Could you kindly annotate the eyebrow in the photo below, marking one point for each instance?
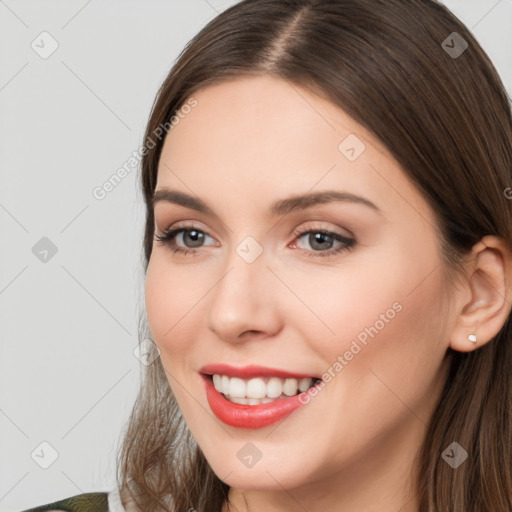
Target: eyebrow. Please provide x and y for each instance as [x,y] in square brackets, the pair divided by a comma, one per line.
[281,207]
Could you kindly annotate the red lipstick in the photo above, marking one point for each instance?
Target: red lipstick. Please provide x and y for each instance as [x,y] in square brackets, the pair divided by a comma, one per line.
[249,372]
[250,416]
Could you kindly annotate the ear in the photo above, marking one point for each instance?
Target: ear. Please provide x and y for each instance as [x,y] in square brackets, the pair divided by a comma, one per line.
[486,298]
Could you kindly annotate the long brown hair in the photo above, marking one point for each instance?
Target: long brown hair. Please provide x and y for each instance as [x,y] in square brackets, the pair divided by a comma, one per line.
[447,121]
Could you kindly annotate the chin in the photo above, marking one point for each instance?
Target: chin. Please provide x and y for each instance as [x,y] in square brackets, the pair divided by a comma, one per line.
[274,473]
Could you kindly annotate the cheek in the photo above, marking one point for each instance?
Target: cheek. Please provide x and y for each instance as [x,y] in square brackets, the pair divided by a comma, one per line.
[379,306]
[396,319]
[342,304]
[172,302]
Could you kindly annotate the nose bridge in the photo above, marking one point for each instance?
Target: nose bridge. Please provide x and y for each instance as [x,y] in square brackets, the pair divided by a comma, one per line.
[241,299]
[245,265]
[238,289]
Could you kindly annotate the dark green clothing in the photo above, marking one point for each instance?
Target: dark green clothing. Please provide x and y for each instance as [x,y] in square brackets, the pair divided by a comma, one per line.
[89,502]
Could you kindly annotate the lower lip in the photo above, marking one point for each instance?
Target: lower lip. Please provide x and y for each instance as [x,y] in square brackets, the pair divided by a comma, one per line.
[249,416]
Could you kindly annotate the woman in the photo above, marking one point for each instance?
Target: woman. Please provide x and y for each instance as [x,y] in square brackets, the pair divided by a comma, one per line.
[328,253]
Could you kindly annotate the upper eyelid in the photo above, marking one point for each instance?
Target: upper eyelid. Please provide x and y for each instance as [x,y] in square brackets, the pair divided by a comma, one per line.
[168,237]
[348,233]
[296,232]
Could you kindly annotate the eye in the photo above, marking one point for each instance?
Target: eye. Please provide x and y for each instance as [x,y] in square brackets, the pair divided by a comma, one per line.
[191,236]
[320,239]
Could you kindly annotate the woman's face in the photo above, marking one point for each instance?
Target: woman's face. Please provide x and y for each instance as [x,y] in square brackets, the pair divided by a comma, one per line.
[363,312]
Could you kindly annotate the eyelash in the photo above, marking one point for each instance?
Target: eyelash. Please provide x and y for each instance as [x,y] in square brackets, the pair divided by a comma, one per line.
[347,243]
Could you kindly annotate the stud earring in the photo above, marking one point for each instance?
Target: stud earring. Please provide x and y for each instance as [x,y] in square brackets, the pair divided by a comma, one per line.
[472,338]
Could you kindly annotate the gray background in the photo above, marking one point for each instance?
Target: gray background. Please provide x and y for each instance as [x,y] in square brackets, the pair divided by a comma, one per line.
[68,374]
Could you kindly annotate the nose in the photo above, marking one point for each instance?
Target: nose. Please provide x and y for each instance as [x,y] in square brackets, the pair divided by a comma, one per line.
[244,303]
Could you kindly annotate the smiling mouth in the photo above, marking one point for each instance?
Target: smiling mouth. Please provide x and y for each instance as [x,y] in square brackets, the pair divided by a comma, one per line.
[259,390]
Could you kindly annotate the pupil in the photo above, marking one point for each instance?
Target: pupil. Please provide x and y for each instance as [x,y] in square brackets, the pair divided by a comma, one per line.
[196,237]
[319,237]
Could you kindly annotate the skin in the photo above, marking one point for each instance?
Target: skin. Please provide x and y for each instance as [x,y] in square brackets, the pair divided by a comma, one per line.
[250,142]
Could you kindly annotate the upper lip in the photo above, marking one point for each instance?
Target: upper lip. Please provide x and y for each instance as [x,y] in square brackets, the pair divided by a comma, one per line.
[248,372]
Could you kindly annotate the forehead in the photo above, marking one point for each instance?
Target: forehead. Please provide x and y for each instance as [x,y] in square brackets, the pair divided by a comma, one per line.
[265,138]
[252,111]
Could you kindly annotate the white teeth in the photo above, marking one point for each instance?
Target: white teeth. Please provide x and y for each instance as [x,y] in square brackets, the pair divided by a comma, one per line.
[290,387]
[224,385]
[237,387]
[237,400]
[250,401]
[304,384]
[259,389]
[274,387]
[256,388]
